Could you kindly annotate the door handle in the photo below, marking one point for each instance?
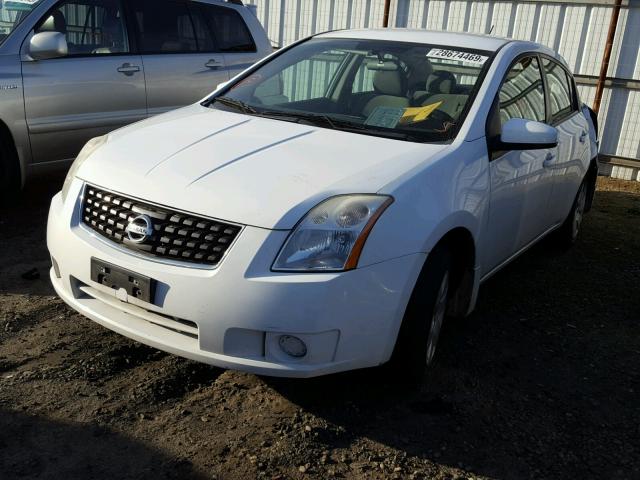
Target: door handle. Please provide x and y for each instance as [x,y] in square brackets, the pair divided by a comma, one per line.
[213,64]
[548,160]
[128,69]
[583,136]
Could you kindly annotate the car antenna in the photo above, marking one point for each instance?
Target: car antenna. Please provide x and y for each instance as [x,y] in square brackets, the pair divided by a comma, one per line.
[491,30]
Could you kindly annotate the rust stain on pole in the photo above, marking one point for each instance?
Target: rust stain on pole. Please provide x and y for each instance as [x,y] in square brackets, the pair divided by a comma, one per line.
[604,68]
[385,17]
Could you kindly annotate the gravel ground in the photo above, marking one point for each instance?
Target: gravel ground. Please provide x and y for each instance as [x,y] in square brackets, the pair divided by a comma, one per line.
[543,381]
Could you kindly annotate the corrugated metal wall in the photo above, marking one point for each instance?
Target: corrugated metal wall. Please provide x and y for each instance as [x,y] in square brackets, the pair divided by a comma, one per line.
[577,29]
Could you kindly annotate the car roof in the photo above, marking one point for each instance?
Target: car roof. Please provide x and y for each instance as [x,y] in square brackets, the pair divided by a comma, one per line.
[452,39]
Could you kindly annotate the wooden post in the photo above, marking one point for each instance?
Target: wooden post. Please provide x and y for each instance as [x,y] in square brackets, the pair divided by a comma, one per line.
[604,68]
[385,17]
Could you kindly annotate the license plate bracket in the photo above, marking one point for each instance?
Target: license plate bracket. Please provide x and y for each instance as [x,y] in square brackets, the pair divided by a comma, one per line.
[115,277]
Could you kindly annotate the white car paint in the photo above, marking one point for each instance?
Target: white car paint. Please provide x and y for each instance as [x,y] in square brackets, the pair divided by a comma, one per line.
[266,175]
[180,167]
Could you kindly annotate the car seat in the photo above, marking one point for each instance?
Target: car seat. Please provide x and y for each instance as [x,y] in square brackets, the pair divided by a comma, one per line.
[390,90]
[112,34]
[441,87]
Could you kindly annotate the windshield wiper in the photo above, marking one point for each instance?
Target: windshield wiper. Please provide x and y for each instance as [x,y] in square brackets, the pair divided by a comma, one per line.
[237,104]
[375,131]
[319,119]
[324,120]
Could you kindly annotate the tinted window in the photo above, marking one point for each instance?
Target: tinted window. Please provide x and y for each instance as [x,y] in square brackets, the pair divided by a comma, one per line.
[561,92]
[522,93]
[203,34]
[229,29]
[92,27]
[164,27]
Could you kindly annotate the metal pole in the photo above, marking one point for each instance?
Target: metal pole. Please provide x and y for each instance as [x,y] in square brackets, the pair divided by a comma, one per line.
[604,68]
[385,17]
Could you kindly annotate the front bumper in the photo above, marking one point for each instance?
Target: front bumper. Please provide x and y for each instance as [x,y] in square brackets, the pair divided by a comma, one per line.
[237,311]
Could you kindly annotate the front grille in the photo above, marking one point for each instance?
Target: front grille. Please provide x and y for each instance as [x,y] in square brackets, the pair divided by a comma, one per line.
[160,232]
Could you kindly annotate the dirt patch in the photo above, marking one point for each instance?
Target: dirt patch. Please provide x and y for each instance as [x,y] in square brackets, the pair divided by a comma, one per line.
[542,381]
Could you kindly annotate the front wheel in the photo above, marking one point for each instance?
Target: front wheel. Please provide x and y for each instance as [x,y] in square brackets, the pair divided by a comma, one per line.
[420,330]
[570,229]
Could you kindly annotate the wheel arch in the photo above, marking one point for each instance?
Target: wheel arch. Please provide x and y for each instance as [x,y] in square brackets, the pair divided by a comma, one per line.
[592,179]
[457,235]
[459,245]
[462,246]
[6,137]
[458,232]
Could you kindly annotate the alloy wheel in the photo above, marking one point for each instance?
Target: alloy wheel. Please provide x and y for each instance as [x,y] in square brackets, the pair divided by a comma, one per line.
[578,214]
[437,319]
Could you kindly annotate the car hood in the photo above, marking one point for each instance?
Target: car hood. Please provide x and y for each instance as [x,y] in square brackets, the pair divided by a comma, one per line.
[245,169]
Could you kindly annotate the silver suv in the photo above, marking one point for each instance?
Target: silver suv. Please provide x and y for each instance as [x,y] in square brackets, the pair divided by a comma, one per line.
[71,70]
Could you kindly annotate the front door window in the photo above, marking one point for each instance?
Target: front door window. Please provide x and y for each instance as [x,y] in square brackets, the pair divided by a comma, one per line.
[522,93]
[91,27]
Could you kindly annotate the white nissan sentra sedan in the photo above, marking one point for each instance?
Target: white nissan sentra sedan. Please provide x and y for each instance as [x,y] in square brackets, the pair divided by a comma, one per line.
[328,207]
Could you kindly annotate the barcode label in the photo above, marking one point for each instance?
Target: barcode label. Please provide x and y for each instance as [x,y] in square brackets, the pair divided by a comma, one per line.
[457,55]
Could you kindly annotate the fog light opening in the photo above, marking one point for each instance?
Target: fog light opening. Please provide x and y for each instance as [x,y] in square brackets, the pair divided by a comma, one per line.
[292,346]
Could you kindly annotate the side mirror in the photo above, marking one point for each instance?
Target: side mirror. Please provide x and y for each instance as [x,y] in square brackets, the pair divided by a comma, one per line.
[45,45]
[520,134]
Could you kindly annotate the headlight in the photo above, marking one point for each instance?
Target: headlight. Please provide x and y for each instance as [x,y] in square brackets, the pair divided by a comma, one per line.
[331,236]
[91,146]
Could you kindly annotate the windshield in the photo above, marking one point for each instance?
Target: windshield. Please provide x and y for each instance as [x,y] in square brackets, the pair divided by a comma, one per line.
[12,12]
[407,91]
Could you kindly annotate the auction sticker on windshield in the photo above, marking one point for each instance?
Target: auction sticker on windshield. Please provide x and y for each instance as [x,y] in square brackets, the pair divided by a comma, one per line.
[457,55]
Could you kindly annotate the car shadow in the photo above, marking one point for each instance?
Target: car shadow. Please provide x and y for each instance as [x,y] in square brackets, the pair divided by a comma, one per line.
[34,447]
[531,384]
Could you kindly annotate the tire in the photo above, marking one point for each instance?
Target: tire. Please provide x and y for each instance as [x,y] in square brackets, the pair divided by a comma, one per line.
[568,233]
[9,173]
[422,323]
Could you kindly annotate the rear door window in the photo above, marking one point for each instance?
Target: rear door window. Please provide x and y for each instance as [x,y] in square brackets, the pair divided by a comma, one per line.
[230,31]
[560,89]
[164,27]
[202,31]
